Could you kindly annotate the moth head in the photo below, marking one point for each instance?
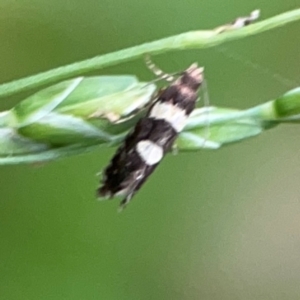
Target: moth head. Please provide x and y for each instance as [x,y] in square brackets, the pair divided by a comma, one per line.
[193,76]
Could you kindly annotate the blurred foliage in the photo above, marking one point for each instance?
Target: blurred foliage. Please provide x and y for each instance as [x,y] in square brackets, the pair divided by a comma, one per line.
[213,225]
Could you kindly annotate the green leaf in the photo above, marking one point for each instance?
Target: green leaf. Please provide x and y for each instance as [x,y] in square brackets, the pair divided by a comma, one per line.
[83,111]
[288,106]
[13,144]
[42,103]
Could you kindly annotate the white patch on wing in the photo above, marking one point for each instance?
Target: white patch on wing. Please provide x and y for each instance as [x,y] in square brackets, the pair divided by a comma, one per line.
[149,152]
[171,113]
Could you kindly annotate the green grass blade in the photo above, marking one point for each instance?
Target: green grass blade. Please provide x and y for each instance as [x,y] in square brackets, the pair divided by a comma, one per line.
[190,40]
[71,127]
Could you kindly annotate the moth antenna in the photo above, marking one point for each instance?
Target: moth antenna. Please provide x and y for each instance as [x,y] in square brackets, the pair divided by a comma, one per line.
[157,71]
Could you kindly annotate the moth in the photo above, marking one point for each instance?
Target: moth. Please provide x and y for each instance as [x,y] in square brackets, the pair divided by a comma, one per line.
[152,137]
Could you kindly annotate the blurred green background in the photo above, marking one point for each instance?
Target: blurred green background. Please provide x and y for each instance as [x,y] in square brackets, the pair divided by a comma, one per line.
[208,225]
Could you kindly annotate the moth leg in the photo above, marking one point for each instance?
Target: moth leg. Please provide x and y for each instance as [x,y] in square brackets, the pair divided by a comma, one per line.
[138,178]
[174,149]
[124,202]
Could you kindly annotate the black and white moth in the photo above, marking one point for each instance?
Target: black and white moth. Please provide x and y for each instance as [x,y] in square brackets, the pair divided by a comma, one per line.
[152,137]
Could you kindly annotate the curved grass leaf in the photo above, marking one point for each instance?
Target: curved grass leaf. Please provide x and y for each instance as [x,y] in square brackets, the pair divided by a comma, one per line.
[77,124]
